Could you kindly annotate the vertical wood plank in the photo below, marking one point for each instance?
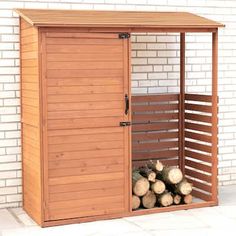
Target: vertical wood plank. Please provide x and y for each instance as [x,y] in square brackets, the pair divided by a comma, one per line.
[181,103]
[127,130]
[214,116]
[44,128]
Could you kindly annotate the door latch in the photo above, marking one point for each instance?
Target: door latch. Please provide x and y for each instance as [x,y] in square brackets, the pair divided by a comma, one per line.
[125,123]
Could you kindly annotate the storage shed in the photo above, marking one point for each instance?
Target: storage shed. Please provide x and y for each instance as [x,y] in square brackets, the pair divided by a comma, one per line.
[80,132]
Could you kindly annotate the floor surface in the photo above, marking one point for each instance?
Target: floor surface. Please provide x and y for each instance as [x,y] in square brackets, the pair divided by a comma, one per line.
[218,220]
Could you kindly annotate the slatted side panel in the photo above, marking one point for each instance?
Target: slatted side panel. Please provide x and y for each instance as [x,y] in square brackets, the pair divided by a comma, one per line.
[198,141]
[155,128]
[86,146]
[30,121]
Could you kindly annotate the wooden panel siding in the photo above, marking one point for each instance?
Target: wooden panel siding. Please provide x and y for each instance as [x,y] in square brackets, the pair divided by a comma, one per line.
[30,118]
[155,132]
[84,139]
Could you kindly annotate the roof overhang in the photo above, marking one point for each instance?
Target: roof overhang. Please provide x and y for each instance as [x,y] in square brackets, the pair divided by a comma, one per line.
[132,21]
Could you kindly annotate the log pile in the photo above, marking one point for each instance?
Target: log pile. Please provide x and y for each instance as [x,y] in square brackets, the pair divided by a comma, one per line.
[156,185]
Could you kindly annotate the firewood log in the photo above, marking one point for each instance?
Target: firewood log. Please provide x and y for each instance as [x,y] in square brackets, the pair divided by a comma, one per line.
[188,199]
[149,200]
[165,199]
[155,166]
[135,202]
[158,187]
[184,187]
[148,173]
[177,199]
[171,175]
[140,185]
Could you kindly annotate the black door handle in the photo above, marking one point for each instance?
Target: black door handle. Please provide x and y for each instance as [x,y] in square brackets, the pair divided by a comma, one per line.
[126,104]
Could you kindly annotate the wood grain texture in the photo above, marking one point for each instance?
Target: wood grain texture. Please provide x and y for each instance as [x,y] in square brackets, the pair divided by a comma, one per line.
[130,19]
[83,109]
[155,135]
[30,118]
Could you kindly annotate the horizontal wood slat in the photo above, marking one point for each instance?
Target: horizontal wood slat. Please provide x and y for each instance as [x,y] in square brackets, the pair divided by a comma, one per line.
[81,65]
[159,107]
[74,163]
[154,146]
[201,195]
[97,153]
[154,155]
[197,136]
[90,170]
[109,49]
[55,115]
[198,127]
[85,98]
[197,107]
[95,131]
[197,117]
[198,156]
[59,57]
[85,138]
[84,106]
[197,165]
[63,73]
[87,194]
[84,81]
[198,97]
[197,146]
[86,146]
[84,89]
[153,136]
[83,41]
[85,178]
[198,175]
[77,187]
[155,98]
[155,126]
[200,185]
[167,162]
[154,117]
[84,123]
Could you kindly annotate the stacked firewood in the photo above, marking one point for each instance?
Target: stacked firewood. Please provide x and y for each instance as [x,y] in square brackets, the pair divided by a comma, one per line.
[155,185]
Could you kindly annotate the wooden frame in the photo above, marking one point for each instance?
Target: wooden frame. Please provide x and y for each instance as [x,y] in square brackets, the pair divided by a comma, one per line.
[197,160]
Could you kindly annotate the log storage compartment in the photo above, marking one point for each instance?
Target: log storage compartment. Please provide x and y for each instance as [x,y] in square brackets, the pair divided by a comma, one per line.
[91,150]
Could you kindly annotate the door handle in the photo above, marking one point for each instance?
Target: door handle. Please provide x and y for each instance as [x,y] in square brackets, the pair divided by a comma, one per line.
[126,104]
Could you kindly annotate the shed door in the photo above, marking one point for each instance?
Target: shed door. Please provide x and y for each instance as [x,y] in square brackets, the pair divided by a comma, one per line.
[86,151]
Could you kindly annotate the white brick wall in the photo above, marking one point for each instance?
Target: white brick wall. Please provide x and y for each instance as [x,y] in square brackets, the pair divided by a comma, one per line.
[155,69]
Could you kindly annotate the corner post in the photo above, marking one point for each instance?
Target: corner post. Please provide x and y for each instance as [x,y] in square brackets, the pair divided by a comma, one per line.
[214,116]
[181,104]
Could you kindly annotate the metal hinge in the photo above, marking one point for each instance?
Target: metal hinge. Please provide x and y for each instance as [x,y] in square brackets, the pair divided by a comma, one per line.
[124,35]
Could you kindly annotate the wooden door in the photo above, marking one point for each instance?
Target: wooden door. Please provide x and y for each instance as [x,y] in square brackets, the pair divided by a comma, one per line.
[86,151]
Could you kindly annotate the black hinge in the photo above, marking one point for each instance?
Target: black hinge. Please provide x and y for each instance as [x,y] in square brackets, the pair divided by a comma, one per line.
[125,123]
[124,35]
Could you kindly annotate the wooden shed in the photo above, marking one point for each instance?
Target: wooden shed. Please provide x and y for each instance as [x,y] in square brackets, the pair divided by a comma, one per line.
[78,144]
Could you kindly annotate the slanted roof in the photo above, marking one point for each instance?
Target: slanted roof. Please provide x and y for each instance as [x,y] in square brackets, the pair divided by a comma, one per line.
[124,19]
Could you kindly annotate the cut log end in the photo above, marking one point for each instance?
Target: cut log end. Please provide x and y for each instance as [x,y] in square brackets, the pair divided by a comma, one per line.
[158,187]
[177,199]
[188,199]
[148,173]
[140,184]
[184,187]
[165,199]
[172,175]
[155,165]
[135,202]
[149,200]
